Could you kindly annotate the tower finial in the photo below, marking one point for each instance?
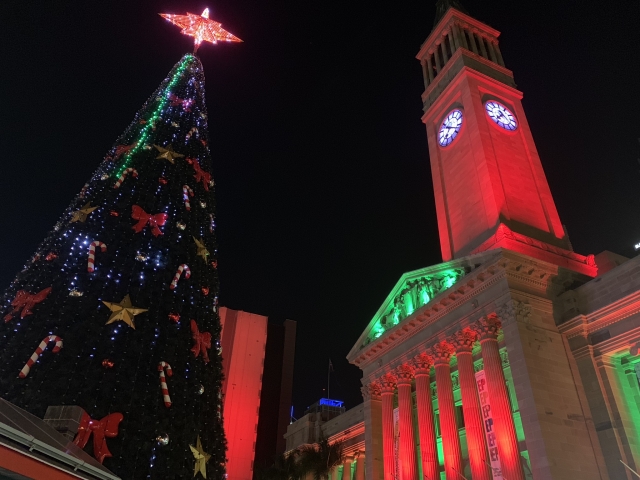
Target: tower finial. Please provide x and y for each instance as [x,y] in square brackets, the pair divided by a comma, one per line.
[443,5]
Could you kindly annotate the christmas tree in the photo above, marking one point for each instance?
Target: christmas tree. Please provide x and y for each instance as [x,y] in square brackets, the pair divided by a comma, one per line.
[116,312]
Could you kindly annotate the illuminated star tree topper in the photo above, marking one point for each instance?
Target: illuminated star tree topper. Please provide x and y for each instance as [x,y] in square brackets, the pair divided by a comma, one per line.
[201,27]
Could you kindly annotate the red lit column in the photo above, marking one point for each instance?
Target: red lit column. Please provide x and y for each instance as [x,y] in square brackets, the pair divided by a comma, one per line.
[407,440]
[463,341]
[449,430]
[387,389]
[426,420]
[346,467]
[359,466]
[503,424]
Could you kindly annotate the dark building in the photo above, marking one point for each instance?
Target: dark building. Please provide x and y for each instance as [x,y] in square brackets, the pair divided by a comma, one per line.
[277,384]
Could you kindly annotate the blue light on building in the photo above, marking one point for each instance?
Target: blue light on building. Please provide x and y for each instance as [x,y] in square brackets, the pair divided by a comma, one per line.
[331,403]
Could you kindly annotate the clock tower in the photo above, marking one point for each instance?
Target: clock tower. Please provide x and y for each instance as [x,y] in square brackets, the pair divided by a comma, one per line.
[489,184]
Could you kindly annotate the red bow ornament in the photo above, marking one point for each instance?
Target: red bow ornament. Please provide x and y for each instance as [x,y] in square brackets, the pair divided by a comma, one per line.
[120,150]
[26,301]
[177,101]
[203,342]
[107,427]
[144,218]
[201,175]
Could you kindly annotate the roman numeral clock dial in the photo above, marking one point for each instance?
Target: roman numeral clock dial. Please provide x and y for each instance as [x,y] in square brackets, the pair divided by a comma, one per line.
[450,128]
[501,115]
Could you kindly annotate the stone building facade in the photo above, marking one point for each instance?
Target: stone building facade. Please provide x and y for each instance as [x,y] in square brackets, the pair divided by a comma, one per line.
[517,358]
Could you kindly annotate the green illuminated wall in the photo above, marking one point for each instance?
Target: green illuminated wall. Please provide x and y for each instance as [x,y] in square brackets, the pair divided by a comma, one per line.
[628,388]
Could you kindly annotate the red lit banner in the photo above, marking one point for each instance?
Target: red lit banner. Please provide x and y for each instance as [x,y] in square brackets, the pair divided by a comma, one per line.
[487,421]
[396,442]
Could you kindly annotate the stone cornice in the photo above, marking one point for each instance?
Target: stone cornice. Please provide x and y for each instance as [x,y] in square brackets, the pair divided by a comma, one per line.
[347,434]
[502,264]
[612,313]
[507,238]
[467,264]
[449,300]
[465,68]
[445,24]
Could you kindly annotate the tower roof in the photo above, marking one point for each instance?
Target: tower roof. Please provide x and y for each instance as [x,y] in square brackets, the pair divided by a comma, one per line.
[443,5]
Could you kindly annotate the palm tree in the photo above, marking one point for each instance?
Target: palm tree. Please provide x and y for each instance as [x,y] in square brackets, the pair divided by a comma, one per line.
[319,459]
[285,467]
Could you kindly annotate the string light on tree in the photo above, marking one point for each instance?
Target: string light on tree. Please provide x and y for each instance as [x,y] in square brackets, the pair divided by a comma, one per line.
[119,243]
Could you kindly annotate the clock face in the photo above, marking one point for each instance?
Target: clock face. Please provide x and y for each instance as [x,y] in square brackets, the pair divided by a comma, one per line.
[450,128]
[501,115]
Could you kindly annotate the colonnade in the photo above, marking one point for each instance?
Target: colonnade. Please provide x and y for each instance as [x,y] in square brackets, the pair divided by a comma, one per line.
[459,35]
[439,356]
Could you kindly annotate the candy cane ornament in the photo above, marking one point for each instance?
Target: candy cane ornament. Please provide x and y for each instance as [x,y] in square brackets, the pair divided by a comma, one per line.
[191,132]
[163,382]
[182,268]
[130,170]
[92,254]
[41,348]
[186,191]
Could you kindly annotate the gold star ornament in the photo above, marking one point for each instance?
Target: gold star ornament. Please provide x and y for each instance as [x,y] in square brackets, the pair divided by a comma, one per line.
[202,250]
[201,457]
[82,214]
[124,311]
[168,153]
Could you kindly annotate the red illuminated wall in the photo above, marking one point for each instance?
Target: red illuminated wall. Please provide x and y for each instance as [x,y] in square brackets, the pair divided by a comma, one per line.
[30,467]
[487,175]
[244,336]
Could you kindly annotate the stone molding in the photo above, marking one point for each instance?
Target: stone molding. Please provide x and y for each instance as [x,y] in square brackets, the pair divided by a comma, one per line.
[373,391]
[422,363]
[387,383]
[462,292]
[536,273]
[442,353]
[404,374]
[463,340]
[585,325]
[514,311]
[488,327]
[503,232]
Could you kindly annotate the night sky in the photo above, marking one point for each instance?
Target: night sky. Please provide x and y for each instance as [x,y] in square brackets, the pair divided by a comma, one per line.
[320,158]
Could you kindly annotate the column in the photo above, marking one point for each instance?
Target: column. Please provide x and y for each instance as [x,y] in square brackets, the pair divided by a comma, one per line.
[448,429]
[503,424]
[333,473]
[372,403]
[454,47]
[360,461]
[387,389]
[436,56]
[404,374]
[492,52]
[456,36]
[429,68]
[346,467]
[426,419]
[425,75]
[445,57]
[482,48]
[498,53]
[472,39]
[460,33]
[463,341]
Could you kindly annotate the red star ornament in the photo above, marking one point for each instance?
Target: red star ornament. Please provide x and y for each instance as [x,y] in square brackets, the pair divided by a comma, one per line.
[201,28]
